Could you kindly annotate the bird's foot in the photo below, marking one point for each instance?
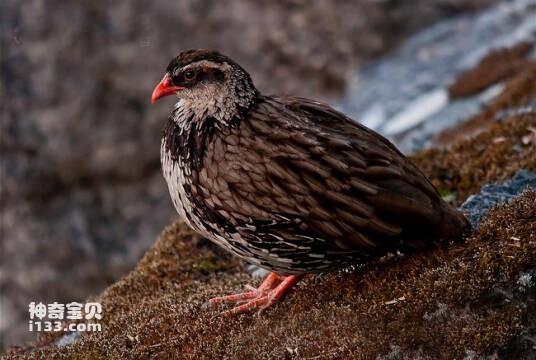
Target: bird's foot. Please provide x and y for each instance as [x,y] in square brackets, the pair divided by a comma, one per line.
[271,290]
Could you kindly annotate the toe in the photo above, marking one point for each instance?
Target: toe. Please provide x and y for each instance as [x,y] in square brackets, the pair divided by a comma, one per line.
[236,298]
[250,305]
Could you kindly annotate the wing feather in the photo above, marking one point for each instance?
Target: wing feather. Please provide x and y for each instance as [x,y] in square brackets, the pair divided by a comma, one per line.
[303,165]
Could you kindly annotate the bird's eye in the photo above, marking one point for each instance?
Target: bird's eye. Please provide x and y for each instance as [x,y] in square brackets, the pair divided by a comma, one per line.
[189,75]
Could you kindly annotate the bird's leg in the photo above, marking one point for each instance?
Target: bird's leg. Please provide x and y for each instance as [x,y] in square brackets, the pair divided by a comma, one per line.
[271,297]
[262,297]
[266,285]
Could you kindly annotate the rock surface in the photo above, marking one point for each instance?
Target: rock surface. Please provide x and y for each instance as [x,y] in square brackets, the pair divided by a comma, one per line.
[406,95]
[476,206]
[82,197]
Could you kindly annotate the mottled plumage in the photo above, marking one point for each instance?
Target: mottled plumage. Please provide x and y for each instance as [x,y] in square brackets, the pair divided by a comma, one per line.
[289,183]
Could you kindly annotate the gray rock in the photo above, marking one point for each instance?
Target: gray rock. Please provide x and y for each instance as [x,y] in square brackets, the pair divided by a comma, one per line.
[404,95]
[476,206]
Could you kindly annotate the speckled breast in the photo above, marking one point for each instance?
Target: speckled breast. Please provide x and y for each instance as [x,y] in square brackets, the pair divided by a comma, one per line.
[178,178]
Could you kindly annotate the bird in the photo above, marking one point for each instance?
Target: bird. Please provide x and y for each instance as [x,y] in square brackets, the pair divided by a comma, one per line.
[288,184]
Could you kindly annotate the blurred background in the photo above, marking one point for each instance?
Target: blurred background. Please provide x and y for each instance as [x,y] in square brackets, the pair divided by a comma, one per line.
[82,196]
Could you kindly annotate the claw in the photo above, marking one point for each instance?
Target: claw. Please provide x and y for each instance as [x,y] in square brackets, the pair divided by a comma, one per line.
[250,288]
[230,298]
[260,298]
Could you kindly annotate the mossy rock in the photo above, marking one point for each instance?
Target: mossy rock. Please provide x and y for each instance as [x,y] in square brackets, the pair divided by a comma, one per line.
[442,304]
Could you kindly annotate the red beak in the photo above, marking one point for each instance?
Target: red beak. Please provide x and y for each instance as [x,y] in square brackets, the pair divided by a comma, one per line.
[164,88]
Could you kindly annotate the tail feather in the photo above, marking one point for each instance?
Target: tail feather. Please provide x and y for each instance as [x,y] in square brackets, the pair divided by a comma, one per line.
[454,225]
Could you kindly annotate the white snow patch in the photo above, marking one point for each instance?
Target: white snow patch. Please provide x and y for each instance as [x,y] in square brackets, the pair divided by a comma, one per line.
[491,92]
[374,116]
[417,111]
[68,339]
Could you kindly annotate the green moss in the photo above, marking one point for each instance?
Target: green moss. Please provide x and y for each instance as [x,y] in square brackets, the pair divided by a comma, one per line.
[447,196]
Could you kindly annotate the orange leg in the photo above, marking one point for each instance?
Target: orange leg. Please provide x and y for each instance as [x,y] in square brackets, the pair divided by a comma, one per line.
[261,298]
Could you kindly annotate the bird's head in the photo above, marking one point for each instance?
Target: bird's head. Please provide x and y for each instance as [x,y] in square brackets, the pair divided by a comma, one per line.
[207,84]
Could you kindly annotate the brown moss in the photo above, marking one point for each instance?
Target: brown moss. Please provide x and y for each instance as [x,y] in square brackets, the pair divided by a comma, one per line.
[492,156]
[496,66]
[451,300]
[436,305]
[518,91]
